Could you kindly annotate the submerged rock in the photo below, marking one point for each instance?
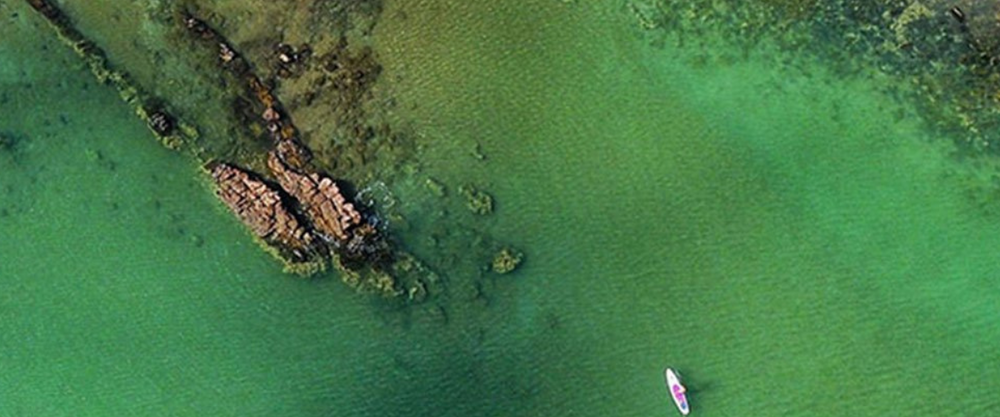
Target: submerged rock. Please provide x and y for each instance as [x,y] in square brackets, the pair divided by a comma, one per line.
[435,187]
[477,201]
[507,260]
[161,122]
[10,141]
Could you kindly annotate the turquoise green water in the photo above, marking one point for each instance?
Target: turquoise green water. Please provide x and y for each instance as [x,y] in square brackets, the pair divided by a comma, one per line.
[794,243]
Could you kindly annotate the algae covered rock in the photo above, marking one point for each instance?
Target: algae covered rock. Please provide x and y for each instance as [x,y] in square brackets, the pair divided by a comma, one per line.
[507,260]
[477,201]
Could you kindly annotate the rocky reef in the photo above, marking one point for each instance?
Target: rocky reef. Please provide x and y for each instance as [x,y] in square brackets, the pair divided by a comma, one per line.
[306,220]
[261,167]
[332,222]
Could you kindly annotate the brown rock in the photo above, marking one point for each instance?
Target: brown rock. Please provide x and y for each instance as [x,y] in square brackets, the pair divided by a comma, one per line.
[292,153]
[260,207]
[332,215]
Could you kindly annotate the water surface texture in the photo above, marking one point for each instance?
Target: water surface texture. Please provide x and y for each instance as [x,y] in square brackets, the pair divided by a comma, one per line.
[795,241]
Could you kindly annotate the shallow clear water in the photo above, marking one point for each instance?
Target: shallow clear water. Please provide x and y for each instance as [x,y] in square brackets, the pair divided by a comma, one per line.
[794,242]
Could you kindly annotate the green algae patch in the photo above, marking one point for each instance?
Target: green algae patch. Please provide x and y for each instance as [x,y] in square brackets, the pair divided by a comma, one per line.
[507,260]
[476,200]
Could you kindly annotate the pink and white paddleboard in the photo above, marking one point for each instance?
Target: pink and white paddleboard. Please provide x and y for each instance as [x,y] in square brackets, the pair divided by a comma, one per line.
[676,391]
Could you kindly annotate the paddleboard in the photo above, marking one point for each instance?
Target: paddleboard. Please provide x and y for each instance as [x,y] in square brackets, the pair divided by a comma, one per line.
[677,391]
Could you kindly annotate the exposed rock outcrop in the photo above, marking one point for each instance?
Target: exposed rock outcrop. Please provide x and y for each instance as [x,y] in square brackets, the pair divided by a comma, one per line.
[262,209]
[333,217]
